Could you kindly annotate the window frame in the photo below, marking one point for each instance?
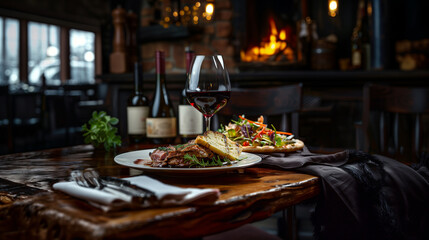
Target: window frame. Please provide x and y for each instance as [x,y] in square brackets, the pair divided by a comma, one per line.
[65,26]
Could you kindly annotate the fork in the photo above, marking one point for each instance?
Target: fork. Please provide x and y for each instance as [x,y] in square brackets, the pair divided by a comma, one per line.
[121,188]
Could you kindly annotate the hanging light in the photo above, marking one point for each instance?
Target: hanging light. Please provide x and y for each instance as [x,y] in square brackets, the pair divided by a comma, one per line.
[210,8]
[333,8]
[194,12]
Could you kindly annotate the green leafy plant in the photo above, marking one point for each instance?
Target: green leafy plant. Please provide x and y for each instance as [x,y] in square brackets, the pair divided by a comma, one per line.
[100,131]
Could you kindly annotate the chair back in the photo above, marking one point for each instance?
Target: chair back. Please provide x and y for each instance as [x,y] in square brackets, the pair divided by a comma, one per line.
[80,100]
[6,120]
[395,121]
[282,101]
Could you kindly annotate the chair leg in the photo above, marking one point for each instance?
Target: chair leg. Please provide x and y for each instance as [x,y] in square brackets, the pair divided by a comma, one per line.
[287,226]
[10,137]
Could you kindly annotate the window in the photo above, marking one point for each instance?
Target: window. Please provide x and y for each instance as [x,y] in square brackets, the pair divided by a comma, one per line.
[82,56]
[43,53]
[46,45]
[9,51]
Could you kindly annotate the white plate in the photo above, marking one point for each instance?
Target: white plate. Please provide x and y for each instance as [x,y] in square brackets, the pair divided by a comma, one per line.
[128,158]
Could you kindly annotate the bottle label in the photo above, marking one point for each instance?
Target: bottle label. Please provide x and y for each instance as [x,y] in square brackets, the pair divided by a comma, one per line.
[190,120]
[136,118]
[356,59]
[161,127]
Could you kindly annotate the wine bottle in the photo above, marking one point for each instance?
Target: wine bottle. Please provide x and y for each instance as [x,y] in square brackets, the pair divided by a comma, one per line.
[161,123]
[190,119]
[361,48]
[366,40]
[356,53]
[137,108]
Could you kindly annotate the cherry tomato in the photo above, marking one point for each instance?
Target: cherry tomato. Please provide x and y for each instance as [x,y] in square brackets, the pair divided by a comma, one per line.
[246,143]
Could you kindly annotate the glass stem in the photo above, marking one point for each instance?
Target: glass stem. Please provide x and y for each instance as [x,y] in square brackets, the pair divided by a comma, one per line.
[207,123]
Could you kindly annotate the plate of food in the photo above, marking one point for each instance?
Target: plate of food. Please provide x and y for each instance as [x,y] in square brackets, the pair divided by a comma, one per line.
[257,137]
[208,153]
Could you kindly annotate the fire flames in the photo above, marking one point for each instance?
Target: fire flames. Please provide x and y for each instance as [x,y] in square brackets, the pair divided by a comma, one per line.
[275,49]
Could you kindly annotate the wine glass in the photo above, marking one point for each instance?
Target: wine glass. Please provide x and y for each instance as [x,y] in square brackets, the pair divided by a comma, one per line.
[208,87]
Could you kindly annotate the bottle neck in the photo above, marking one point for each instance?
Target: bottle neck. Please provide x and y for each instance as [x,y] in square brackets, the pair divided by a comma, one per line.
[138,78]
[160,63]
[360,12]
[160,69]
[189,57]
[161,89]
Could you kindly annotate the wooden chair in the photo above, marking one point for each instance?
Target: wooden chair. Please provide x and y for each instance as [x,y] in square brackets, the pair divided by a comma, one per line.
[80,101]
[283,101]
[27,120]
[6,120]
[395,121]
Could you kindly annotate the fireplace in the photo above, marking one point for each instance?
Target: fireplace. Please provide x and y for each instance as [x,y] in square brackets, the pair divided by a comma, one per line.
[249,34]
[276,46]
[268,35]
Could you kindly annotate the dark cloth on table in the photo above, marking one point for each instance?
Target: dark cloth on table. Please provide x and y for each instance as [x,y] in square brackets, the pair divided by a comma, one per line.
[363,196]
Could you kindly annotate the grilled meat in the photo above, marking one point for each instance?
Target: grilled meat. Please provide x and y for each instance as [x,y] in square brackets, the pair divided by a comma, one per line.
[173,156]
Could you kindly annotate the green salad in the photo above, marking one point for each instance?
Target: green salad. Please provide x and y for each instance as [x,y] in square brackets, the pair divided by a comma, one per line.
[256,133]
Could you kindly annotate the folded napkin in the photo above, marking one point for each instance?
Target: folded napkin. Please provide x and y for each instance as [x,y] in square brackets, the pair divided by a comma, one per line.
[363,196]
[302,158]
[165,195]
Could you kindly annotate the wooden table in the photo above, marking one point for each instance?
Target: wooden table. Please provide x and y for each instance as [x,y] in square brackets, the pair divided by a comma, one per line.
[29,206]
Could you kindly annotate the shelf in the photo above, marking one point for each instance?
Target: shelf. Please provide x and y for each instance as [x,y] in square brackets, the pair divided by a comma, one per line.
[158,32]
[309,78]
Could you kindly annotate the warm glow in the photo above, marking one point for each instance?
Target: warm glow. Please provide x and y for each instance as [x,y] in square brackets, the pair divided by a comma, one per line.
[197,4]
[282,35]
[333,8]
[273,27]
[275,46]
[210,8]
[333,5]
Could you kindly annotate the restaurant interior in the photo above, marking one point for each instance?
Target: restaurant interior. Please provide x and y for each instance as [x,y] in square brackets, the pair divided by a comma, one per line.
[62,60]
[70,45]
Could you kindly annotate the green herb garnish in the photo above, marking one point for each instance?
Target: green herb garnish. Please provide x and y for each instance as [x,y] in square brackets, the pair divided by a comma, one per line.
[163,148]
[201,163]
[100,131]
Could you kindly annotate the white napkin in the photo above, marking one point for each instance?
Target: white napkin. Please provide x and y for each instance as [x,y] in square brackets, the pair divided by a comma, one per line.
[166,195]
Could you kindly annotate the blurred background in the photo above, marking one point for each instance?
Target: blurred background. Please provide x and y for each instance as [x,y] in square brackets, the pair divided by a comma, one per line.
[56,65]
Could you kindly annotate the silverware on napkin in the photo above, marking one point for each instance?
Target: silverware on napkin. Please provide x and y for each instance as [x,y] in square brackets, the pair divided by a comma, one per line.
[121,188]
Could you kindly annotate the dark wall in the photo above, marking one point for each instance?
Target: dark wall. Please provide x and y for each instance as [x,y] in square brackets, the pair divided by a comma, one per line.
[405,20]
[342,25]
[91,13]
[409,19]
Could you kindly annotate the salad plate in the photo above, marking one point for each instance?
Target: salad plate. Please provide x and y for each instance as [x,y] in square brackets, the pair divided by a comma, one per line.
[257,137]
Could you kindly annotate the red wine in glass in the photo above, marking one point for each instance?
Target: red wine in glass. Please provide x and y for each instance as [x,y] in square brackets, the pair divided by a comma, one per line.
[209,102]
[208,86]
